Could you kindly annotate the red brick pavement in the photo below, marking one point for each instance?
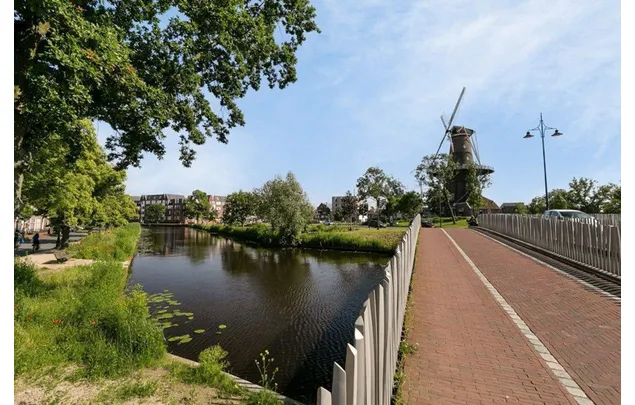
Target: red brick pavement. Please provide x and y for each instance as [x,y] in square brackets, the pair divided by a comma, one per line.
[580,327]
[469,350]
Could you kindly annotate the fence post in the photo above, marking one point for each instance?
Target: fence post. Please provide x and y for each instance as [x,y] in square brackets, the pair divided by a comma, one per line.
[323,397]
[338,392]
[351,374]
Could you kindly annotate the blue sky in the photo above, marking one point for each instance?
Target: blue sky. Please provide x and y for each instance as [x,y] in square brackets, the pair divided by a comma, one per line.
[372,85]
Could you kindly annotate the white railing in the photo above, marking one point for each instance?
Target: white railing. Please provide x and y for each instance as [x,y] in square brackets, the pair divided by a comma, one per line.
[593,244]
[368,373]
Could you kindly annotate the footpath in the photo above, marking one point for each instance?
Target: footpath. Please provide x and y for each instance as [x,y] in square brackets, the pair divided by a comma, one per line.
[494,326]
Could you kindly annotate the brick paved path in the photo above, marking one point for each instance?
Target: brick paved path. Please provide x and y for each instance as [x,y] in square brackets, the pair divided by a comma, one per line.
[469,350]
[580,327]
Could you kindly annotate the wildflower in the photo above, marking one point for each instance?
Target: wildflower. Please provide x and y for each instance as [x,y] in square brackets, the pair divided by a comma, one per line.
[93,322]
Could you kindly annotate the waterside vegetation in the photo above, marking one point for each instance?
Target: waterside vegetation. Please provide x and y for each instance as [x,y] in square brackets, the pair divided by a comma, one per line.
[351,238]
[116,244]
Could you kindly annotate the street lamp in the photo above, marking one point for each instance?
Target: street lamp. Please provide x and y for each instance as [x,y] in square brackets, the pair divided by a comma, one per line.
[542,128]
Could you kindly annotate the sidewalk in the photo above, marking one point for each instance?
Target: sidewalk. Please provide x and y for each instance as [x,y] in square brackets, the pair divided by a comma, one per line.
[469,350]
[580,327]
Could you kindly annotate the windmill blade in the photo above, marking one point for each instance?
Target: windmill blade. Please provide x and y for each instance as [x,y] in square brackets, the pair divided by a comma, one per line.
[475,148]
[448,126]
[456,107]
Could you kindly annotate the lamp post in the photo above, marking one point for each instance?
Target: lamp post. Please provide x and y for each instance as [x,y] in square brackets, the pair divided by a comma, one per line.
[542,128]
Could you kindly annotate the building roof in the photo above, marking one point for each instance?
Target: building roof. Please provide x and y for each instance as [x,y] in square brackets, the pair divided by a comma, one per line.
[135,198]
[161,196]
[511,204]
[489,204]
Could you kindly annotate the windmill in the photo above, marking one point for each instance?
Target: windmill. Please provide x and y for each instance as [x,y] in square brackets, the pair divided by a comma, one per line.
[463,147]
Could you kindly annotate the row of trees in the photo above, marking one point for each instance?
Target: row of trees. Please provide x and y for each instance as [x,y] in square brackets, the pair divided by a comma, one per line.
[74,189]
[386,192]
[583,194]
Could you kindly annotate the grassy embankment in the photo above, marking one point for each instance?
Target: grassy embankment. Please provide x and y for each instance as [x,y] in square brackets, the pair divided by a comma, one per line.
[114,244]
[318,236]
[81,336]
[446,222]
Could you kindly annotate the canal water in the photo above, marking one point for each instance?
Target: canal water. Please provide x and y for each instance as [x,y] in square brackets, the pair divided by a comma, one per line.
[299,304]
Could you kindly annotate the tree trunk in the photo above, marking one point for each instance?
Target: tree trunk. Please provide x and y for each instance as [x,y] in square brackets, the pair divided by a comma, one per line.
[58,242]
[66,234]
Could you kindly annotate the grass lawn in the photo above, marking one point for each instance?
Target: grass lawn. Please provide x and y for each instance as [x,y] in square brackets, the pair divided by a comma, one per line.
[461,222]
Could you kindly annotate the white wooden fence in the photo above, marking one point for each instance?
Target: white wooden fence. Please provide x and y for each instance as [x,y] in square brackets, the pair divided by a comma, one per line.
[596,245]
[609,219]
[367,376]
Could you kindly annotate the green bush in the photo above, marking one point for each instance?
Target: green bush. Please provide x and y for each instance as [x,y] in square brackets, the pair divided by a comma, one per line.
[114,244]
[82,317]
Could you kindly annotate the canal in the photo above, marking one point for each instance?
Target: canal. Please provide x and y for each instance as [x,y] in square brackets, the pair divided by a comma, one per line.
[299,304]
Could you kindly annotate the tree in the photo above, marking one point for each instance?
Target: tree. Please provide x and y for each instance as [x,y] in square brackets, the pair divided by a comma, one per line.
[197,205]
[338,215]
[475,183]
[238,206]
[436,174]
[86,191]
[521,209]
[155,213]
[557,201]
[378,185]
[349,207]
[127,64]
[362,207]
[582,195]
[211,215]
[410,204]
[285,206]
[609,197]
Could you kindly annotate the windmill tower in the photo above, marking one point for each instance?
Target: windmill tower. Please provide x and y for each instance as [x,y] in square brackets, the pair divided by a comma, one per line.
[463,148]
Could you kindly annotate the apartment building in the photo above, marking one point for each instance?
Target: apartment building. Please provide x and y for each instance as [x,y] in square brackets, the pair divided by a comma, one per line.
[173,206]
[217,202]
[337,203]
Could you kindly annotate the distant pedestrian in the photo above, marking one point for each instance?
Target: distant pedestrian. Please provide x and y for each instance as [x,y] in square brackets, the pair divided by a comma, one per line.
[36,242]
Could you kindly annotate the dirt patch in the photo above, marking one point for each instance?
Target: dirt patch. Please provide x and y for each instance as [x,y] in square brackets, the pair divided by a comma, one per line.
[165,390]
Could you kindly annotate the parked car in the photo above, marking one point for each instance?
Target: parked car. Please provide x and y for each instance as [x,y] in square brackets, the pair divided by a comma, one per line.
[373,224]
[571,214]
[426,224]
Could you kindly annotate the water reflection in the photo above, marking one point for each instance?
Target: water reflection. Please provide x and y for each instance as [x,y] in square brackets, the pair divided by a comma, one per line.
[299,304]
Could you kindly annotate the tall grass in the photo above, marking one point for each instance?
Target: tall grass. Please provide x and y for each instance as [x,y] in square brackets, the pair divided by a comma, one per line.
[114,244]
[81,316]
